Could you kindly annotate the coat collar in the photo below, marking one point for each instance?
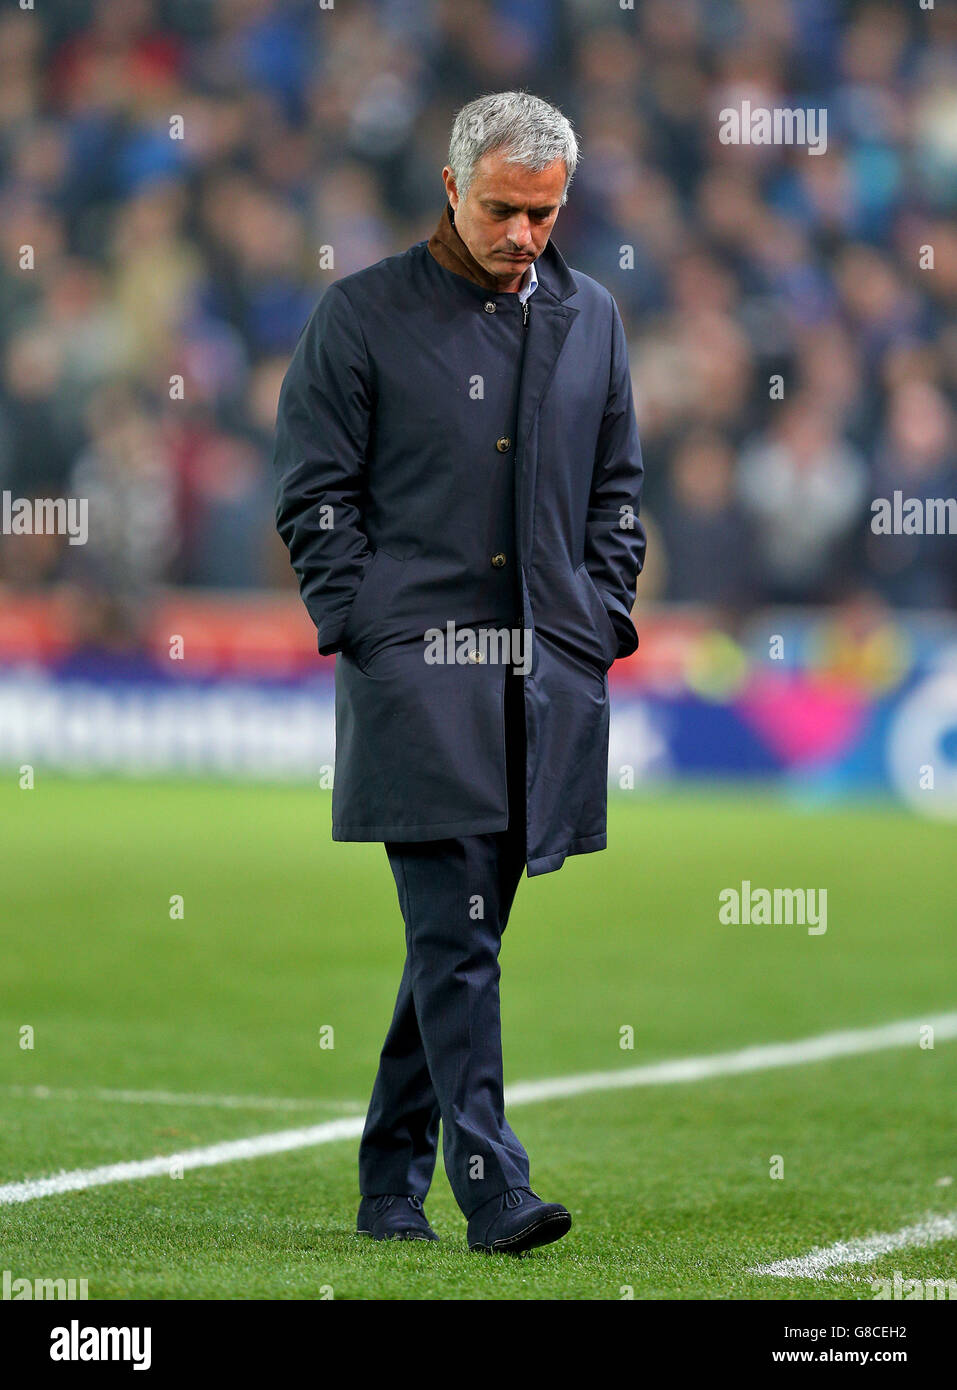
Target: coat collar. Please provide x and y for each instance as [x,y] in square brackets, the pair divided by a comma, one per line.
[450,251]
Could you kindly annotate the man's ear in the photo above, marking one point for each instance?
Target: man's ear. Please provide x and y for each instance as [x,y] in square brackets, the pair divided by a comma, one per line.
[452,193]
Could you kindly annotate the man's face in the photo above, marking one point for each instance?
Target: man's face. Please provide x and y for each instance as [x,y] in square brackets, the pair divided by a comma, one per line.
[508,214]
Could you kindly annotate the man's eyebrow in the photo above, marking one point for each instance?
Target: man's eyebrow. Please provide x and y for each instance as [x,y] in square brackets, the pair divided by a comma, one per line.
[511,207]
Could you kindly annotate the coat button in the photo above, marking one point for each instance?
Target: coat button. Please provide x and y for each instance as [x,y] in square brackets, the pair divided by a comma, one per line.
[504,444]
[476,657]
[498,559]
[490,306]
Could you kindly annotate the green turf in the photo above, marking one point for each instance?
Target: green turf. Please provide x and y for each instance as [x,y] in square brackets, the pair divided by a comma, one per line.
[285,933]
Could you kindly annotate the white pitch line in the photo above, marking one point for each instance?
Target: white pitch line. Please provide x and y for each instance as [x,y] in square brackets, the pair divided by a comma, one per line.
[229,1152]
[861,1251]
[180,1098]
[851,1042]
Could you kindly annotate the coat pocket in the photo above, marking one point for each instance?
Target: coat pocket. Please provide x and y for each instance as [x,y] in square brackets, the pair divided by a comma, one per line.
[369,611]
[605,628]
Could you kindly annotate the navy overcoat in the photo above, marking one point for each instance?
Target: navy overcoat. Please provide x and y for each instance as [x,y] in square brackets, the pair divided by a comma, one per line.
[446,455]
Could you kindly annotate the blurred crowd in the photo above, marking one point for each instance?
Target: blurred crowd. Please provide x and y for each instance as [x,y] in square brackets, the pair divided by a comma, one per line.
[794,351]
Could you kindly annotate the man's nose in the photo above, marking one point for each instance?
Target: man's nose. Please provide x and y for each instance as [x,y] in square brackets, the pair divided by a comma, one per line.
[520,234]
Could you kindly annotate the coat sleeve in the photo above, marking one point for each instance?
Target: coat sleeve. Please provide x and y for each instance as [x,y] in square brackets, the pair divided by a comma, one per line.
[614,536]
[322,432]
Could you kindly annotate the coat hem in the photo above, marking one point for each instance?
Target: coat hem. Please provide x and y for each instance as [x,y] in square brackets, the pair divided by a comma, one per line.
[548,863]
[438,830]
[442,830]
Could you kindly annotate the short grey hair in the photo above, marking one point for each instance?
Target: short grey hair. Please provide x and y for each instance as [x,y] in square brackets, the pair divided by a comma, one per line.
[533,134]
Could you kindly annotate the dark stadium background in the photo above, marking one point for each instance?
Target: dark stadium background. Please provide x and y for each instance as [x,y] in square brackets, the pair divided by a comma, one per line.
[309,130]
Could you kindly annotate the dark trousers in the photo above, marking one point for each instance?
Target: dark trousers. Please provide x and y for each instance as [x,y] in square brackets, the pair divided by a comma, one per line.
[443,1053]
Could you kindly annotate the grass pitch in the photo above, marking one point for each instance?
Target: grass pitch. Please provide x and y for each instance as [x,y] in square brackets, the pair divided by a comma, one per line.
[285,934]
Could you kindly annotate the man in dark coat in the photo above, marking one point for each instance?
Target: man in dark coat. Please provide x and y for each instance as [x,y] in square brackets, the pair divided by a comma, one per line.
[459,479]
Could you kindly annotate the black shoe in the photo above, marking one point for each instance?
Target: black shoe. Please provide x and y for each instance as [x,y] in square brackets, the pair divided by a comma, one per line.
[516,1221]
[393,1217]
